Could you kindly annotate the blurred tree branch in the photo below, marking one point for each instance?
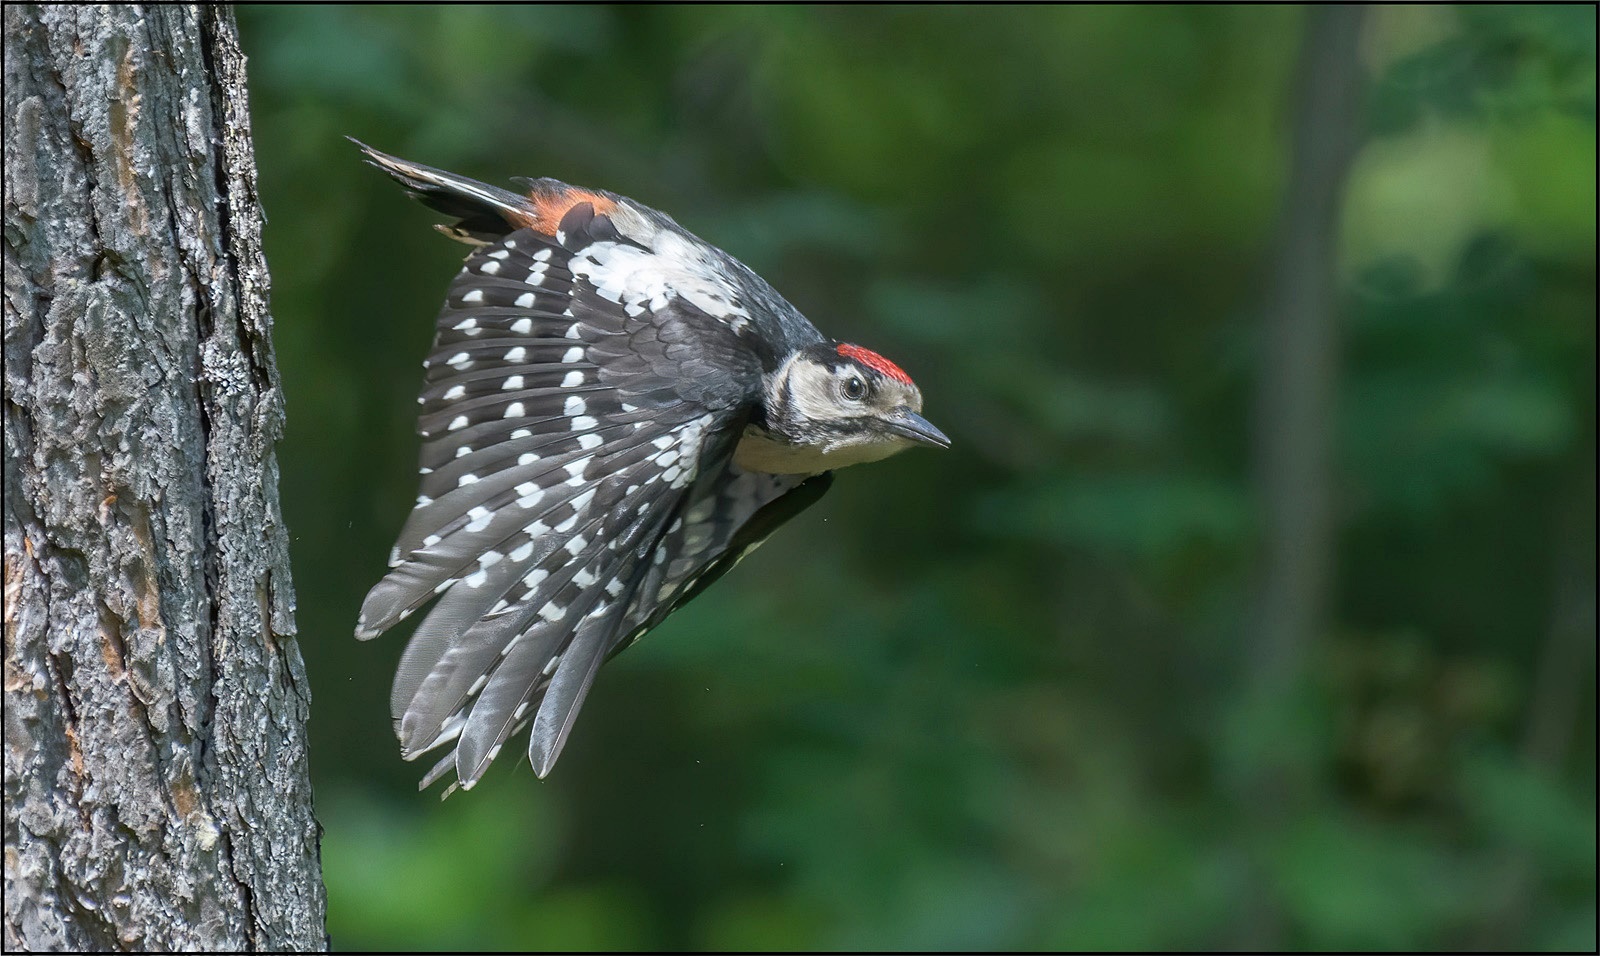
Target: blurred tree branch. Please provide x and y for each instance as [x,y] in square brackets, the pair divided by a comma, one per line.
[1295,398]
[1294,424]
[1564,673]
[156,787]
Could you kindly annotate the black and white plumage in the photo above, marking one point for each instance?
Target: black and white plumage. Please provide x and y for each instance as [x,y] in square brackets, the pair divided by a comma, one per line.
[614,413]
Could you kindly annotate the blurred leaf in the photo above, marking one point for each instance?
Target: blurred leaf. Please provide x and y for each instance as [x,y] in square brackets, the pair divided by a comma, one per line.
[573,919]
[1147,866]
[985,315]
[762,924]
[1351,886]
[1143,516]
[1550,163]
[1423,197]
[768,229]
[1525,808]
[1420,445]
[437,876]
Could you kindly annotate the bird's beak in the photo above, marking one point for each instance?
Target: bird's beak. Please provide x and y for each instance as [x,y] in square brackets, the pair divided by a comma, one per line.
[904,421]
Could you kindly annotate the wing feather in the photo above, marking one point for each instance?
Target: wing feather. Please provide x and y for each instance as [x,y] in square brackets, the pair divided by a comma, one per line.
[433,685]
[728,519]
[518,681]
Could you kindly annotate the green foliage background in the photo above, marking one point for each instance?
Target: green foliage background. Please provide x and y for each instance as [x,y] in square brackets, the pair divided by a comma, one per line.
[993,697]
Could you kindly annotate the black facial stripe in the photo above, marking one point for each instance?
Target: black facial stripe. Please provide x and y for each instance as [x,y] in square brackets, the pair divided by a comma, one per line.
[785,402]
[758,416]
[857,425]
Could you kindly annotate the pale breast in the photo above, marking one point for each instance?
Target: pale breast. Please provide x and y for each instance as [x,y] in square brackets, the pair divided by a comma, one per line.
[759,451]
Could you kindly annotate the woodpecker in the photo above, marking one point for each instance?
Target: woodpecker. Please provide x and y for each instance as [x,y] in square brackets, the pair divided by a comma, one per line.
[615,412]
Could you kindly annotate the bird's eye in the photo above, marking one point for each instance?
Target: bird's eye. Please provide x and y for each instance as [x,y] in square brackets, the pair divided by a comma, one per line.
[854,389]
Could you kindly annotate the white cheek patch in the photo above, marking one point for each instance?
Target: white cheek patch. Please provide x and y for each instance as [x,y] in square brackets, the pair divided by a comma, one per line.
[814,391]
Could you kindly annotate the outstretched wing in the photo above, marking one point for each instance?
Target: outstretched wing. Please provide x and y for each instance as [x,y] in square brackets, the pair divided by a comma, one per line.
[583,390]
[728,516]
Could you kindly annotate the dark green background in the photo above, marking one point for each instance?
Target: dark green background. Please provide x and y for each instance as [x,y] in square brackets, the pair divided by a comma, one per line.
[995,696]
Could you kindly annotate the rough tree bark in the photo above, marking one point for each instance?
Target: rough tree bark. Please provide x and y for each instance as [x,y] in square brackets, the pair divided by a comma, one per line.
[156,788]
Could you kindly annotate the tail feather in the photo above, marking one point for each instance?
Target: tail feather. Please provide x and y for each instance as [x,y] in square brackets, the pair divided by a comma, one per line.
[485,213]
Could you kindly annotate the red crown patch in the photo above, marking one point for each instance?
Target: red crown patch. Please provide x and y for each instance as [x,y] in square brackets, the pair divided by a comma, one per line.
[873,360]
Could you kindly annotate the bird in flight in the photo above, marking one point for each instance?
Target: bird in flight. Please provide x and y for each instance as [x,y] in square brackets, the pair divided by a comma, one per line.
[615,412]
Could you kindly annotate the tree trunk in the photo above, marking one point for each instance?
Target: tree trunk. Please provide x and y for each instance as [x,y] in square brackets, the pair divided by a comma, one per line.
[1294,427]
[156,787]
[1294,432]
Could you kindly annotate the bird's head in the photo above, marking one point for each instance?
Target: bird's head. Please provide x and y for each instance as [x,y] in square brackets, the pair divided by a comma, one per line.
[846,405]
